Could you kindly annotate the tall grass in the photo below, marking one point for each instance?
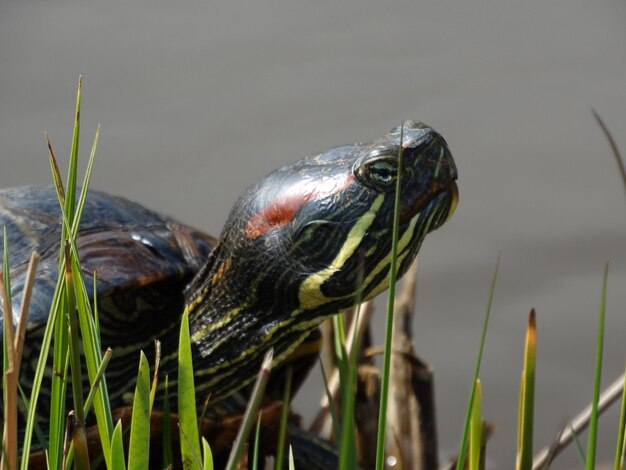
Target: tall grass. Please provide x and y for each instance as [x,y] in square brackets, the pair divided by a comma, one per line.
[526,415]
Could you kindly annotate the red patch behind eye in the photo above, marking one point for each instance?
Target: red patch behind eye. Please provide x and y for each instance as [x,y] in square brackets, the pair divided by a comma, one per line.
[283,208]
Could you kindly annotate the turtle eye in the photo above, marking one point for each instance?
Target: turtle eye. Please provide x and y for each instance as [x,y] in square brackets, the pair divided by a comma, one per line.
[382,172]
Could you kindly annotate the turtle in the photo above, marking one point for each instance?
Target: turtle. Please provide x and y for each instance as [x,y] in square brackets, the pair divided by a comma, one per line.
[308,241]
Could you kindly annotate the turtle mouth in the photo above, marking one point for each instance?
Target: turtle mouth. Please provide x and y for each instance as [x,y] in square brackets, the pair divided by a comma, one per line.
[443,191]
[454,199]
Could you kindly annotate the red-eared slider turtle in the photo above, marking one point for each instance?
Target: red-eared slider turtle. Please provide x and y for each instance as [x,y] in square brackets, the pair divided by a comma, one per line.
[292,253]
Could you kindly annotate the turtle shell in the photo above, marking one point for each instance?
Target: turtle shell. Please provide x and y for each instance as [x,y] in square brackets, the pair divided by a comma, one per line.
[142,261]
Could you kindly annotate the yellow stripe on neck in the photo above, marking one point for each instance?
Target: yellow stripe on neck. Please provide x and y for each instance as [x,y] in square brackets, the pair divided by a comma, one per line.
[404,241]
[311,295]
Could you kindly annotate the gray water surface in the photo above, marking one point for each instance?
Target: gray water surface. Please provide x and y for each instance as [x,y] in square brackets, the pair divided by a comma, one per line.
[197,99]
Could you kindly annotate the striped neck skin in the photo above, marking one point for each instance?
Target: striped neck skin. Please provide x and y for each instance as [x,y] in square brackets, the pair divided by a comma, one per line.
[308,241]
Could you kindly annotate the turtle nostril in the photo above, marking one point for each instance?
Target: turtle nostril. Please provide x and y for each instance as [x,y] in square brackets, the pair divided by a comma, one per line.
[449,167]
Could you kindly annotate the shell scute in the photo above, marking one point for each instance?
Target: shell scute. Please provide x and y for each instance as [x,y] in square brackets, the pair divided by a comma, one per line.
[130,248]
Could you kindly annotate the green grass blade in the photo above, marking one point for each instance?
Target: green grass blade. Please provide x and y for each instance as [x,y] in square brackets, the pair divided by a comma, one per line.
[347,450]
[292,464]
[619,451]
[253,405]
[207,456]
[41,439]
[70,199]
[56,174]
[282,432]
[187,412]
[527,397]
[155,376]
[95,386]
[346,438]
[622,463]
[339,340]
[577,444]
[96,317]
[139,446]
[460,462]
[86,181]
[257,435]
[593,425]
[118,461]
[197,458]
[60,361]
[393,270]
[167,427]
[331,402]
[75,367]
[476,429]
[39,372]
[205,407]
[616,153]
[356,340]
[347,364]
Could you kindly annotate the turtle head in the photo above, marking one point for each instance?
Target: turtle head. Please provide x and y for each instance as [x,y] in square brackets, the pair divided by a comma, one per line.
[318,232]
[309,240]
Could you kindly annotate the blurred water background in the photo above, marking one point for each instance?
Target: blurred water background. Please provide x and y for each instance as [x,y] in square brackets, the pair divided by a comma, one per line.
[197,99]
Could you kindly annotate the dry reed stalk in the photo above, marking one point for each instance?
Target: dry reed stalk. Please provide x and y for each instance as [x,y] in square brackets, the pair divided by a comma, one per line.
[26,296]
[9,440]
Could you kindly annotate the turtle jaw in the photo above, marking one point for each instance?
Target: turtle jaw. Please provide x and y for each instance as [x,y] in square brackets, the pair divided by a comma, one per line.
[438,194]
[454,199]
